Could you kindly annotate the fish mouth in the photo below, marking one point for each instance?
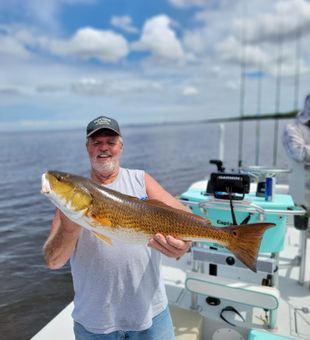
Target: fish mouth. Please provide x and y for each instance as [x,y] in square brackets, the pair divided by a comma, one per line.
[45,188]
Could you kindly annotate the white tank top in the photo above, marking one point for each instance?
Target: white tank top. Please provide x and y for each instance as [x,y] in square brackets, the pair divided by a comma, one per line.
[117,287]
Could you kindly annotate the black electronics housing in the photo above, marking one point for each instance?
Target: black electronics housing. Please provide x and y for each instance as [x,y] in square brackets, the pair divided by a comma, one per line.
[229,185]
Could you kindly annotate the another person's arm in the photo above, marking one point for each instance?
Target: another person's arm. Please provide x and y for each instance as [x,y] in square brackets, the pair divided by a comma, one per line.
[61,241]
[294,143]
[169,245]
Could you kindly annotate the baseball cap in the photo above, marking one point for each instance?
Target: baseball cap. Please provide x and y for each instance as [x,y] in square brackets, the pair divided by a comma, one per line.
[102,122]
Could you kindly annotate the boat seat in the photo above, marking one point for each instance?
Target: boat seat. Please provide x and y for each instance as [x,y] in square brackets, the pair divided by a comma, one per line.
[237,291]
[187,323]
[261,335]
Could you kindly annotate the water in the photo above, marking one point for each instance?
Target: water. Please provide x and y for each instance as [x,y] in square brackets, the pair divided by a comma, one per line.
[176,155]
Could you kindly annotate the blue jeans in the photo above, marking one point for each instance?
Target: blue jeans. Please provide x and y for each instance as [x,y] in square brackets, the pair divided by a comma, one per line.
[161,329]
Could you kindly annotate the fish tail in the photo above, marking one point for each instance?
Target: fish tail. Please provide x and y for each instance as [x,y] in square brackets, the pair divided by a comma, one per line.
[245,241]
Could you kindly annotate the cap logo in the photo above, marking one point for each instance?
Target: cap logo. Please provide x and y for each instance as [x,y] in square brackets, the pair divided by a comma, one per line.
[102,121]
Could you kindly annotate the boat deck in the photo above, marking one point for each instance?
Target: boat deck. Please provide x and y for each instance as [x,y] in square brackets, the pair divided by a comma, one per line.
[293,316]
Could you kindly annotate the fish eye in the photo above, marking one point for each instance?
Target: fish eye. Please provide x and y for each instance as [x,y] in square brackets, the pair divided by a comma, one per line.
[58,177]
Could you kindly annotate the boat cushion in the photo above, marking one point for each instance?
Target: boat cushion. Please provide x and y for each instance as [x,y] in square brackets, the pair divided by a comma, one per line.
[233,290]
[261,335]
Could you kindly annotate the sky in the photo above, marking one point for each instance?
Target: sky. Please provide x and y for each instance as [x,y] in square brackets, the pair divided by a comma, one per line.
[65,62]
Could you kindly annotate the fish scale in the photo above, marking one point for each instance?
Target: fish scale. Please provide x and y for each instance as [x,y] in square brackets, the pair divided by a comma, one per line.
[112,215]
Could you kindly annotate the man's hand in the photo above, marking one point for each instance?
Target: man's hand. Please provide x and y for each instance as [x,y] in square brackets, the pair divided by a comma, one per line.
[61,241]
[169,246]
[67,225]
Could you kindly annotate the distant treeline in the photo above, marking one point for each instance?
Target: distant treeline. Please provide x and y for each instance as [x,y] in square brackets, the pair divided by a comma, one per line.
[280,115]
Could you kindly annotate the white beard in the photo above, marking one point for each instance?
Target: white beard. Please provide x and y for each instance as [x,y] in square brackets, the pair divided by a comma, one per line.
[106,167]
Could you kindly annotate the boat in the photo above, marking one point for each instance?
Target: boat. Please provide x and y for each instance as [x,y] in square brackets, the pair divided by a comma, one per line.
[212,295]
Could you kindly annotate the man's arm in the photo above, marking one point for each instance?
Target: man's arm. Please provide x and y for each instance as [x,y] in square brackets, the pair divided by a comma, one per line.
[169,245]
[61,241]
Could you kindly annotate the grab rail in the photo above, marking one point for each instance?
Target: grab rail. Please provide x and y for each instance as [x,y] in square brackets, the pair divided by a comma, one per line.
[244,206]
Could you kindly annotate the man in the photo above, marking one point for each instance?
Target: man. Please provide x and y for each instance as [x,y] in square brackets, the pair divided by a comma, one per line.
[118,290]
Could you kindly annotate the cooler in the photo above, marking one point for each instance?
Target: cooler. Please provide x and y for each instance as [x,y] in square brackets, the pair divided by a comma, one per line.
[255,208]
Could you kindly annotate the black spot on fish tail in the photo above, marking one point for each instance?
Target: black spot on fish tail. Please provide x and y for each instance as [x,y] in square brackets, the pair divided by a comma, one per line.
[246,240]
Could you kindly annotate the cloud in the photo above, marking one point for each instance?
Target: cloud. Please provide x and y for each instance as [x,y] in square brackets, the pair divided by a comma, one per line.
[37,12]
[232,50]
[88,43]
[10,91]
[41,69]
[196,41]
[10,47]
[159,39]
[288,68]
[116,85]
[49,88]
[47,124]
[256,39]
[233,37]
[124,23]
[209,27]
[233,85]
[284,22]
[89,86]
[190,91]
[189,3]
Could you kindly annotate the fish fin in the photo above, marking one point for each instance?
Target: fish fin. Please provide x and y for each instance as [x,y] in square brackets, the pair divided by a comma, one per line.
[102,221]
[103,238]
[160,204]
[246,241]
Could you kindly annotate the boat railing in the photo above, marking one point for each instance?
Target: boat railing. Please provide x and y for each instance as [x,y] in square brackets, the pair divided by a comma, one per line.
[245,206]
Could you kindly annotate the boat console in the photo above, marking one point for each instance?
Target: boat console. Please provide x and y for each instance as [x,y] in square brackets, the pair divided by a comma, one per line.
[227,199]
